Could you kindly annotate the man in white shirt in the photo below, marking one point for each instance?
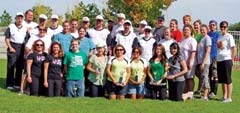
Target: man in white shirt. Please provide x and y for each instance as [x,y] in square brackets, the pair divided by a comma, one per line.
[74,28]
[42,22]
[28,22]
[54,27]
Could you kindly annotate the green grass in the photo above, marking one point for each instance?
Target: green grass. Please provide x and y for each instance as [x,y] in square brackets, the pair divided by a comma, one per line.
[13,103]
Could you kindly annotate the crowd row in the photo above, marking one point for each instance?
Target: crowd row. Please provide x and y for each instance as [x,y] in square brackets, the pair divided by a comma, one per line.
[117,60]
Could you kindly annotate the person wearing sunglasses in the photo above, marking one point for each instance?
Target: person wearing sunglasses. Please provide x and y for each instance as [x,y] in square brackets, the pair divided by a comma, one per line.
[35,62]
[225,59]
[118,71]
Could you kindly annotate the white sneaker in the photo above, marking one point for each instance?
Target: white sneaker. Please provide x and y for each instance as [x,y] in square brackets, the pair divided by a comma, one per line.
[10,88]
[211,95]
[204,98]
[16,87]
[227,100]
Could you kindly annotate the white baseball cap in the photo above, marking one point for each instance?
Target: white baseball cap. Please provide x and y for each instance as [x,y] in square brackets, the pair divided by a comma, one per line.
[143,22]
[54,17]
[43,16]
[121,15]
[99,17]
[85,19]
[127,21]
[148,27]
[100,44]
[19,14]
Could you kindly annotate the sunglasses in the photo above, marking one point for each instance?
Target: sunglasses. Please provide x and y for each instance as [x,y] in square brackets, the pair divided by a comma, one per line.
[42,29]
[39,45]
[223,26]
[119,49]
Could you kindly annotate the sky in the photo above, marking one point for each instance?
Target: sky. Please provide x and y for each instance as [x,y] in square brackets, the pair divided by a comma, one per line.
[204,10]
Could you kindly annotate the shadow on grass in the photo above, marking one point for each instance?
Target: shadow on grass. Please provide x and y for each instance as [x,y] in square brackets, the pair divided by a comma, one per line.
[3,83]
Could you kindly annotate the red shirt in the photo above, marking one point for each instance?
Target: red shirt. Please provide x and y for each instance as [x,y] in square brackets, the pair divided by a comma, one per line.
[176,35]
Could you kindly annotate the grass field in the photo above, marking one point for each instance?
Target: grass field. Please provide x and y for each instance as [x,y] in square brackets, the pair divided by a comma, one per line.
[13,103]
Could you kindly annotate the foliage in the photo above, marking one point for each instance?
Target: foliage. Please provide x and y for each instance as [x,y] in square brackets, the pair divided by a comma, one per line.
[137,10]
[80,10]
[5,19]
[235,27]
[41,9]
[13,103]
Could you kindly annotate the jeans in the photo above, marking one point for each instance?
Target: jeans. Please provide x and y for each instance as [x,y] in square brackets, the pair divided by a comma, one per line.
[54,87]
[75,88]
[175,89]
[97,90]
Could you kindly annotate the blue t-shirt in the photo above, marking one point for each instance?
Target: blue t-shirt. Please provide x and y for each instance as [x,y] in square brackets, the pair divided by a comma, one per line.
[64,40]
[86,44]
[214,37]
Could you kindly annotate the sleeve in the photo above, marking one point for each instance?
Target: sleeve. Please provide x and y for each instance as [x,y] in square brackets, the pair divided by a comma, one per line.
[145,63]
[85,59]
[231,41]
[178,36]
[208,41]
[27,37]
[109,40]
[47,60]
[30,56]
[92,45]
[55,38]
[193,45]
[30,42]
[110,60]
[7,33]
[135,43]
[65,61]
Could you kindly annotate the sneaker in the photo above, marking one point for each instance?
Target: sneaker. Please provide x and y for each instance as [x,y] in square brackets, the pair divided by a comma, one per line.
[198,92]
[204,98]
[10,88]
[227,100]
[211,95]
[223,99]
[16,87]
[20,93]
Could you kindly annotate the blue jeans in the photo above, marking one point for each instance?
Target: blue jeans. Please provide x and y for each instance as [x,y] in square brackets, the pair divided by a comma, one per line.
[75,88]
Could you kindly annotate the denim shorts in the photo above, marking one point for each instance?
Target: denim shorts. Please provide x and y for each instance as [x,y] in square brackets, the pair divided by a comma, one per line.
[136,89]
[113,89]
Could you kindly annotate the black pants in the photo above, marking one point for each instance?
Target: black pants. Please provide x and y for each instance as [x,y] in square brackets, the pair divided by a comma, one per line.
[158,92]
[175,89]
[54,87]
[37,87]
[97,90]
[87,83]
[15,62]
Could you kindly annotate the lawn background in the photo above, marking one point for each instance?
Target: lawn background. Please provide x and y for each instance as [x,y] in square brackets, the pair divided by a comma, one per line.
[13,103]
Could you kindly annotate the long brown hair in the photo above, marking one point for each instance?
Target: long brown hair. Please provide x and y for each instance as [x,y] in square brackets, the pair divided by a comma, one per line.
[60,53]
[163,54]
[35,45]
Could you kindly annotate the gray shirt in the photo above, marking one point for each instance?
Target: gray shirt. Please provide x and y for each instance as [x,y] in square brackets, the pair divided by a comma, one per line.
[175,67]
[158,33]
[201,50]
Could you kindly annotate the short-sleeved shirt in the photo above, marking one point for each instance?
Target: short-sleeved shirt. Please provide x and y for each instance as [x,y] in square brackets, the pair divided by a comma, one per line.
[15,34]
[86,45]
[46,39]
[54,31]
[214,36]
[137,69]
[175,67]
[37,63]
[127,42]
[147,47]
[166,44]
[198,37]
[201,49]
[98,35]
[75,34]
[157,69]
[187,46]
[55,67]
[64,40]
[118,68]
[224,53]
[99,79]
[158,33]
[75,63]
[177,35]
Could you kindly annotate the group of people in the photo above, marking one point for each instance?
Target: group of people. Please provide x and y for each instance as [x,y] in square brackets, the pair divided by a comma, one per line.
[82,61]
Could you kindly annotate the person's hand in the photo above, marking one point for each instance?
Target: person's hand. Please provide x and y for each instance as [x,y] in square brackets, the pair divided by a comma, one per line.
[97,72]
[171,77]
[29,79]
[45,84]
[12,50]
[202,66]
[123,84]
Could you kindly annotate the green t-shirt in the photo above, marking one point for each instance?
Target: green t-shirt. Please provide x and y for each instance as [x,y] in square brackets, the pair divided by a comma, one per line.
[198,37]
[118,69]
[157,70]
[75,64]
[137,69]
[100,66]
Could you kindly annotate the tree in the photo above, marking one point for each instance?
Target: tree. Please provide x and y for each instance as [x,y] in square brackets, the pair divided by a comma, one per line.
[5,19]
[41,9]
[235,27]
[137,10]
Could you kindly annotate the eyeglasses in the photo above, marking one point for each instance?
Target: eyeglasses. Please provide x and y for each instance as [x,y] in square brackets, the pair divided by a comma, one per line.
[39,45]
[223,26]
[119,49]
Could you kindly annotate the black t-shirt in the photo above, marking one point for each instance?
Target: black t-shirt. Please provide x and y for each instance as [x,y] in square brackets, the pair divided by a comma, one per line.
[55,66]
[37,64]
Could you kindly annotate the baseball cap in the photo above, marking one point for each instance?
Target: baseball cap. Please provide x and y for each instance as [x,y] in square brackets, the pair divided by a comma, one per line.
[99,17]
[19,14]
[161,18]
[85,19]
[147,27]
[143,22]
[127,21]
[42,16]
[54,17]
[213,21]
[121,15]
[100,44]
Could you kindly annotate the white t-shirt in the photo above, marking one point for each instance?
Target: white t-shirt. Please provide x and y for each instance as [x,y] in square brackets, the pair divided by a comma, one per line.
[17,35]
[98,35]
[75,34]
[166,44]
[46,39]
[147,47]
[117,28]
[55,31]
[126,41]
[187,46]
[224,52]
[30,25]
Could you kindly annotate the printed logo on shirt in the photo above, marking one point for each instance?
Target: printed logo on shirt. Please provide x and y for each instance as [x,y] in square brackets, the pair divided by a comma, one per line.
[57,62]
[76,61]
[40,58]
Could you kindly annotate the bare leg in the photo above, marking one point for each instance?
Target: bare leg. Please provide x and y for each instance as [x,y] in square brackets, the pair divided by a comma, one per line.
[140,96]
[121,97]
[112,97]
[224,89]
[133,96]
[229,91]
